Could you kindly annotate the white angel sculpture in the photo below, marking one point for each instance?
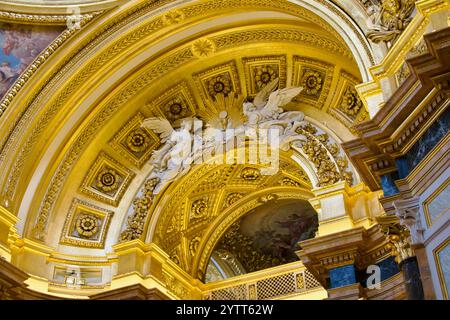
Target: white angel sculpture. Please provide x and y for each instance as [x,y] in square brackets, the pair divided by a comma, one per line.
[175,157]
[267,105]
[265,112]
[192,141]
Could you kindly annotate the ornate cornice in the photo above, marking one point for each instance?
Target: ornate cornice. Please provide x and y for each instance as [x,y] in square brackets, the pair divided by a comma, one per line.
[34,19]
[359,246]
[406,115]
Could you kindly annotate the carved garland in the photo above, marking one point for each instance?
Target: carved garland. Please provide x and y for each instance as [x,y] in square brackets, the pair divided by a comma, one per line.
[141,206]
[328,159]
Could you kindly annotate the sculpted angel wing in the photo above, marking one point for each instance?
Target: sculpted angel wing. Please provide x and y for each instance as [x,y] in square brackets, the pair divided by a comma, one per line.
[284,96]
[159,125]
[407,7]
[262,96]
[280,98]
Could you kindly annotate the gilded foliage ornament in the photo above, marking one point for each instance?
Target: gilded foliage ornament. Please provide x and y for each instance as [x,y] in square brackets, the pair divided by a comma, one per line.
[250,174]
[203,48]
[173,17]
[199,208]
[107,180]
[175,109]
[351,103]
[141,206]
[289,182]
[264,75]
[220,84]
[175,258]
[138,140]
[87,225]
[312,82]
[321,153]
[402,74]
[232,198]
[193,245]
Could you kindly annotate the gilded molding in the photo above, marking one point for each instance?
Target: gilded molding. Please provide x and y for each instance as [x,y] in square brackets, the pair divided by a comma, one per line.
[86,225]
[281,34]
[74,152]
[439,268]
[426,204]
[24,18]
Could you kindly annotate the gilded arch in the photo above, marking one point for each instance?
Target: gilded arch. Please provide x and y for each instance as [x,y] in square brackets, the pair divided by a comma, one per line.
[64,131]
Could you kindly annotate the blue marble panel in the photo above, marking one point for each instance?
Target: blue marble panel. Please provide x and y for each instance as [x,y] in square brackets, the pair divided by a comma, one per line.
[388,268]
[388,184]
[428,140]
[413,283]
[342,276]
[402,167]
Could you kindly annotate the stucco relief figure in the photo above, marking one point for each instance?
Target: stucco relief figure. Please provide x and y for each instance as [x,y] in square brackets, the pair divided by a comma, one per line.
[266,112]
[175,157]
[193,141]
[390,19]
[267,105]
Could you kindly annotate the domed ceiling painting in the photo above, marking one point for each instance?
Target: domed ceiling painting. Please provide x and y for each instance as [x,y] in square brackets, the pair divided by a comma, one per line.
[19,46]
[266,237]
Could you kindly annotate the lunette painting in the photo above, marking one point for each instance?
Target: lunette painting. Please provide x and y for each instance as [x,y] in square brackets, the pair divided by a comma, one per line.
[19,46]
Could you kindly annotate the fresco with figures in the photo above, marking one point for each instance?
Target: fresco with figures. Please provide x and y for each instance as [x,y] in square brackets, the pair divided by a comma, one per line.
[268,235]
[19,46]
